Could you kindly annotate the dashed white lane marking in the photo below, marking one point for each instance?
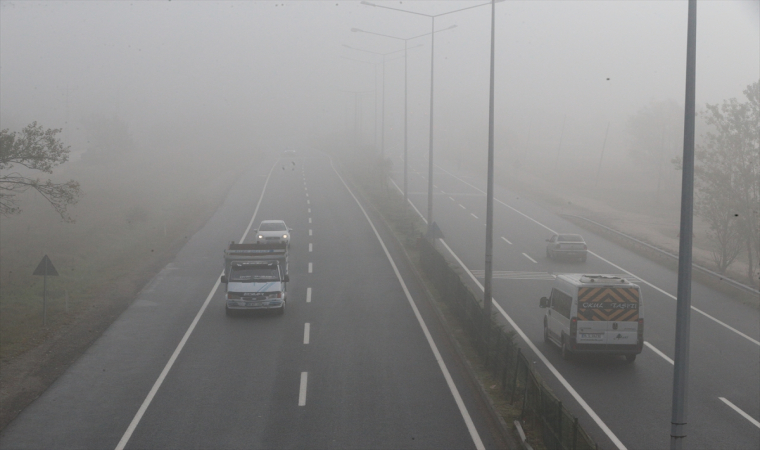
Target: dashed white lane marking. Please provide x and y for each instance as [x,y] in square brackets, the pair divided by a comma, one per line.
[714,319]
[656,350]
[506,240]
[452,199]
[302,391]
[306,330]
[309,267]
[543,359]
[308,202]
[462,206]
[530,258]
[473,215]
[741,413]
[309,246]
[309,231]
[307,194]
[309,211]
[435,186]
[308,295]
[309,219]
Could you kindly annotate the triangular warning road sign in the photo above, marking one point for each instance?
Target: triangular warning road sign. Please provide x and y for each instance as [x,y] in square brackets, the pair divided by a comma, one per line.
[46,267]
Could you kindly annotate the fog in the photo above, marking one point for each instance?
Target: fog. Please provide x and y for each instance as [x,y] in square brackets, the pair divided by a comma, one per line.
[238,76]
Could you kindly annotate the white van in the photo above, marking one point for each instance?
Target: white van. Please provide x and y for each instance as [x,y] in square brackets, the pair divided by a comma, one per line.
[594,314]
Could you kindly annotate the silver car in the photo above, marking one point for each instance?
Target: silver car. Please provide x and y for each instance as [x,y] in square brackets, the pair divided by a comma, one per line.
[273,232]
[571,246]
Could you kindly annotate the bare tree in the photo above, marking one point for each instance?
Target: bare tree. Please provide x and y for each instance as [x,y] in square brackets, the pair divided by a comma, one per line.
[728,176]
[34,149]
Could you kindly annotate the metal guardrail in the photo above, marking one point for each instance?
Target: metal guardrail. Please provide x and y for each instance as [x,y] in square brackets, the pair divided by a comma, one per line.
[521,384]
[723,278]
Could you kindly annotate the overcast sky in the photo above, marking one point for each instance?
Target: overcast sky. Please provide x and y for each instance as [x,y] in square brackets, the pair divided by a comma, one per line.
[265,71]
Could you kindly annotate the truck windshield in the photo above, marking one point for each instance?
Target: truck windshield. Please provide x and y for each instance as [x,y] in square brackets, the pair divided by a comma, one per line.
[248,272]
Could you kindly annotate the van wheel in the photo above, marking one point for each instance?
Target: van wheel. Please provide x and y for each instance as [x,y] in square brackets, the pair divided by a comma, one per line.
[546,333]
[566,354]
[630,358]
[228,311]
[281,311]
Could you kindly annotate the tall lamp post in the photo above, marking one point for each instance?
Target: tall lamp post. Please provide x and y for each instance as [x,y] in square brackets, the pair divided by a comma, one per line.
[375,71]
[406,40]
[382,102]
[432,60]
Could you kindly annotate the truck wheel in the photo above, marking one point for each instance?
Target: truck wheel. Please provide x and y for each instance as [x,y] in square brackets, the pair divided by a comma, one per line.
[566,354]
[630,358]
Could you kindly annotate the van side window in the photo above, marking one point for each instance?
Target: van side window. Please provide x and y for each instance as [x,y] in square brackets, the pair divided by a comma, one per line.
[561,302]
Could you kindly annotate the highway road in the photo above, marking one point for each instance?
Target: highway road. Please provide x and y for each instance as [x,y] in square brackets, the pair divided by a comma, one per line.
[622,405]
[357,360]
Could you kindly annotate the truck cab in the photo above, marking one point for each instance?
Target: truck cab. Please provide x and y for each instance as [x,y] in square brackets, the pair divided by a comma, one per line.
[256,277]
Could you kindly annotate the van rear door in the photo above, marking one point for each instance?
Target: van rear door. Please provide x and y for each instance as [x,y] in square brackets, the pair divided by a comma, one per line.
[608,315]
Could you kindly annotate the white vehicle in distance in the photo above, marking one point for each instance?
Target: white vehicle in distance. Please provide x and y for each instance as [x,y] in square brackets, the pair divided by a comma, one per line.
[566,246]
[273,232]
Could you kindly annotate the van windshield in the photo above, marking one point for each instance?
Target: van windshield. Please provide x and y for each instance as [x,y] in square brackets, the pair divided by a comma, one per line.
[254,272]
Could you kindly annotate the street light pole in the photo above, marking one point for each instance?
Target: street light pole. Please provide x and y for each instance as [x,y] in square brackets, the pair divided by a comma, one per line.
[382,112]
[375,72]
[406,103]
[487,295]
[432,49]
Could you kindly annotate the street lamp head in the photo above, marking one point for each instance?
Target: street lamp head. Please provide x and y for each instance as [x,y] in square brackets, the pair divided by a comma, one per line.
[367,3]
[356,30]
[453,26]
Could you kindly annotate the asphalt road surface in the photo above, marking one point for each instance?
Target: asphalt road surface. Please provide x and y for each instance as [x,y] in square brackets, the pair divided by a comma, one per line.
[622,405]
[353,362]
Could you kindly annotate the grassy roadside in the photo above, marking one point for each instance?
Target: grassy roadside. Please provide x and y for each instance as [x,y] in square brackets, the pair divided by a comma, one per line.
[127,228]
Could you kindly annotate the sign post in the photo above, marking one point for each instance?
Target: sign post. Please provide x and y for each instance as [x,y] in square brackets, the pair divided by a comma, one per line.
[45,268]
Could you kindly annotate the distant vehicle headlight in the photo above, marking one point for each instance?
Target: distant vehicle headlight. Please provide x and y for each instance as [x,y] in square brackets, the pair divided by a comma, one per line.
[261,236]
[284,236]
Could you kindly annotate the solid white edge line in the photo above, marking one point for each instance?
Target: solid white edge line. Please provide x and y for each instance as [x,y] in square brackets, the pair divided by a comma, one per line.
[159,381]
[309,267]
[302,389]
[754,341]
[144,407]
[543,359]
[656,350]
[308,295]
[534,261]
[741,413]
[449,381]
[409,201]
[505,240]
[306,330]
